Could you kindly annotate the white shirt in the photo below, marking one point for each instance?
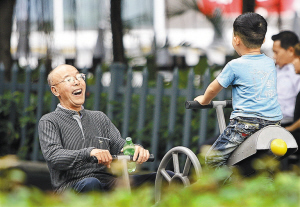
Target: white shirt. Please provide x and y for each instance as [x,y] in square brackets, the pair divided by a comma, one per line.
[288,86]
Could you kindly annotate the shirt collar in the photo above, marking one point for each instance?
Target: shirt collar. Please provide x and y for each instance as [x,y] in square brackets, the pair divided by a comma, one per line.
[60,107]
[285,67]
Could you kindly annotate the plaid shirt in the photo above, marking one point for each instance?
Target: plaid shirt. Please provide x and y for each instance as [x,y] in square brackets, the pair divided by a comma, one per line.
[67,139]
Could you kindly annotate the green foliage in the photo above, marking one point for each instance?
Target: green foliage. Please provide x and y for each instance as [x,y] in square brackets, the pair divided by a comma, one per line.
[202,65]
[12,120]
[8,132]
[259,191]
[279,190]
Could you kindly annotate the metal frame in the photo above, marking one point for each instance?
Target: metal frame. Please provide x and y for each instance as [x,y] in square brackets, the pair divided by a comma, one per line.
[191,160]
[261,141]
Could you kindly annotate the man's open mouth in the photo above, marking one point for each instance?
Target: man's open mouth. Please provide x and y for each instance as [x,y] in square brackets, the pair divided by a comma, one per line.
[77,92]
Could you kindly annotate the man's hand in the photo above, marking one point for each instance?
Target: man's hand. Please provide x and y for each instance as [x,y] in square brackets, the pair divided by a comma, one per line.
[104,157]
[140,153]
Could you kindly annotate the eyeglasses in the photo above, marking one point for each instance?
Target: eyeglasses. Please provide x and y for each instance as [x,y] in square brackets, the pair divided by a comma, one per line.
[71,79]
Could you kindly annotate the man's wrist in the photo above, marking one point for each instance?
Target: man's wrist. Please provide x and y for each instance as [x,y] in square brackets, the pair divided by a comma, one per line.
[89,150]
[139,145]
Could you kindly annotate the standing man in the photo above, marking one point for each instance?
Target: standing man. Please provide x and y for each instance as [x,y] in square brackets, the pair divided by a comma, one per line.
[288,83]
[71,135]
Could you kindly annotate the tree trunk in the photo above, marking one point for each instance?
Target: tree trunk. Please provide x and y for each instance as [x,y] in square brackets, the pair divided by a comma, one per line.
[248,6]
[117,31]
[6,13]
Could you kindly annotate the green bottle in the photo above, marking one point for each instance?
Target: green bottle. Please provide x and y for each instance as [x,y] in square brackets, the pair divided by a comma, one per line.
[129,149]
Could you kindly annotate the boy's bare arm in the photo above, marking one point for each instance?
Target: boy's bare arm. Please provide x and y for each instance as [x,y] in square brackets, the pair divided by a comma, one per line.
[212,91]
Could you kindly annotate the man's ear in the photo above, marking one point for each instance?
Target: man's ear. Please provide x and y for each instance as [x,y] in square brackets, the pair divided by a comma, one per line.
[54,91]
[291,50]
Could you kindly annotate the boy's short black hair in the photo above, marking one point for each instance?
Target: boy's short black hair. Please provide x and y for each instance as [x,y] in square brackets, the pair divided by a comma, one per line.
[251,28]
[287,39]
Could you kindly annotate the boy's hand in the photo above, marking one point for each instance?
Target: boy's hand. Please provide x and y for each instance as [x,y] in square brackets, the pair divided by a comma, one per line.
[200,99]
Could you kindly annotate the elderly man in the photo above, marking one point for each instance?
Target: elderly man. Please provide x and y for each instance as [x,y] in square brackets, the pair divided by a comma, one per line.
[71,135]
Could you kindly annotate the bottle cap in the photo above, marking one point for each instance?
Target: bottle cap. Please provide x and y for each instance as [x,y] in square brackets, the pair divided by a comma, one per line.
[128,138]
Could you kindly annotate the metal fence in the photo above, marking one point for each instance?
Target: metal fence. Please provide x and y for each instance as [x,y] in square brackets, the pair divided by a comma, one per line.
[120,90]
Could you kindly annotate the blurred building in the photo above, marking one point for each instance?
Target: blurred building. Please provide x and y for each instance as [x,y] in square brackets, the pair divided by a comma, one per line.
[78,31]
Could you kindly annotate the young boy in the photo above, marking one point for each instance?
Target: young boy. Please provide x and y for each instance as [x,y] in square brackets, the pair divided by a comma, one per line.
[253,80]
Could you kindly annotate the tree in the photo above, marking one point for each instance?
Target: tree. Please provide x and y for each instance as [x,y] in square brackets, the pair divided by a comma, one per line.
[117,31]
[248,6]
[6,13]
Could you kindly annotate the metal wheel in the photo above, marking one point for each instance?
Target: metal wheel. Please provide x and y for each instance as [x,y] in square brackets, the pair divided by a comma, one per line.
[178,177]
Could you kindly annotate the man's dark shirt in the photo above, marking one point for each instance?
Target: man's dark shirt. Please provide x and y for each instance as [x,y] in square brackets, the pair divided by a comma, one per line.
[67,139]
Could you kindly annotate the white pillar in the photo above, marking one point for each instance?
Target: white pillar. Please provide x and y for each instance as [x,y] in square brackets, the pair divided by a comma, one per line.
[159,21]
[58,15]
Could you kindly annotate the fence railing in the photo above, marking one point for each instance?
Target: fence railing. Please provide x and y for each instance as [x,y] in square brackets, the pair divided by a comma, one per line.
[121,91]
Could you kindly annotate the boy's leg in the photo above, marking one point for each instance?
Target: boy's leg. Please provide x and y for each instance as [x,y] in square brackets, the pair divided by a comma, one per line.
[234,134]
[218,154]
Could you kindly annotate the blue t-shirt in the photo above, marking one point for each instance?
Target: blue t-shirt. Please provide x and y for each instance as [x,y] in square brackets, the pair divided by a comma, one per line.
[254,94]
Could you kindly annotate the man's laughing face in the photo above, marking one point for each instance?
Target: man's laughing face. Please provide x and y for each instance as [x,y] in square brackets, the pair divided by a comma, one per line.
[68,87]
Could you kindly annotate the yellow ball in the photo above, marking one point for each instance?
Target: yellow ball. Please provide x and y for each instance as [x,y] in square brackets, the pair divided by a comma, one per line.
[278,147]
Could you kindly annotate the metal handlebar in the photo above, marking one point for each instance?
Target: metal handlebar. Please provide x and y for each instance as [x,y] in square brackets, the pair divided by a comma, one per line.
[213,104]
[94,159]
[218,105]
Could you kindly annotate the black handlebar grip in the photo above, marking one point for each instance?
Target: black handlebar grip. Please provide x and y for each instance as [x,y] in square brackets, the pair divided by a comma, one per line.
[94,159]
[228,104]
[197,105]
[151,158]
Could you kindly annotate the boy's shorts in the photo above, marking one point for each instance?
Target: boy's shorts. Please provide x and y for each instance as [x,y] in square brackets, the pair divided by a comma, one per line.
[239,129]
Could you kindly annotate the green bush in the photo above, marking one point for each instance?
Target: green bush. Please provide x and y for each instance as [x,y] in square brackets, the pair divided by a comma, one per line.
[12,120]
[279,190]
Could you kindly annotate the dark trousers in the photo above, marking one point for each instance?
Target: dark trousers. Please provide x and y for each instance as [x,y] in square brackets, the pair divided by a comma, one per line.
[93,184]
